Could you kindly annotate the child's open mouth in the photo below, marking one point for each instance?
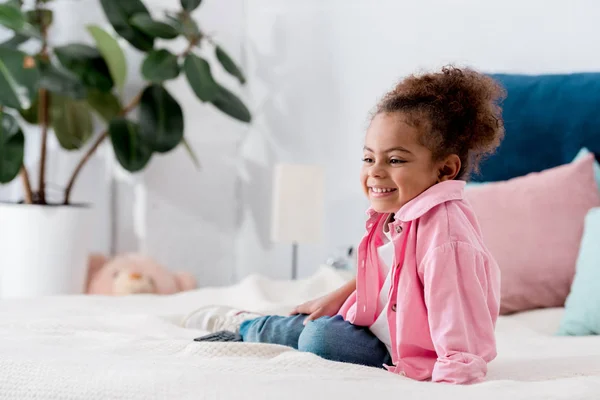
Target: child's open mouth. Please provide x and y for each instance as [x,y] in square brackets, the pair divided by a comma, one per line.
[381,192]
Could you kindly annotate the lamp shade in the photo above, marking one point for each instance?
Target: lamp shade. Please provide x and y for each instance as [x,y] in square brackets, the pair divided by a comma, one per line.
[298,203]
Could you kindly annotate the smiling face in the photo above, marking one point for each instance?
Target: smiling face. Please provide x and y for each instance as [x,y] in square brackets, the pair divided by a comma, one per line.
[396,167]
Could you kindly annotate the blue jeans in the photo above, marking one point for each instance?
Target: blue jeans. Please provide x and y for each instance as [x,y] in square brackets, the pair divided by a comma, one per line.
[331,338]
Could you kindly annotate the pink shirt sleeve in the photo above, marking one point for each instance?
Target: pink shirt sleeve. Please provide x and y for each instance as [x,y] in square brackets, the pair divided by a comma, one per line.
[460,295]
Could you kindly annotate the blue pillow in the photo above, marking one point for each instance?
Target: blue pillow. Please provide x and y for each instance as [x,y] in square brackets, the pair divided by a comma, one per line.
[548,118]
[582,308]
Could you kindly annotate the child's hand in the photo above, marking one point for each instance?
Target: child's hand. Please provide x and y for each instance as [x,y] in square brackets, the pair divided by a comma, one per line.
[325,306]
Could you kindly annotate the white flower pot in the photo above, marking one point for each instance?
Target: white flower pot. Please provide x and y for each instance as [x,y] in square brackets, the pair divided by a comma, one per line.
[43,249]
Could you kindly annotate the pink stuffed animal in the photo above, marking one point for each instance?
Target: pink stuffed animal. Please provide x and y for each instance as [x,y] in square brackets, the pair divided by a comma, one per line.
[134,273]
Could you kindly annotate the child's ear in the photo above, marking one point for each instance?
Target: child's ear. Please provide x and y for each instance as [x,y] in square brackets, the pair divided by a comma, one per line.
[449,168]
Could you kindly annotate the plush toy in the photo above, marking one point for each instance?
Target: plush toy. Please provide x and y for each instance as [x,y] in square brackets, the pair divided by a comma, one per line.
[134,273]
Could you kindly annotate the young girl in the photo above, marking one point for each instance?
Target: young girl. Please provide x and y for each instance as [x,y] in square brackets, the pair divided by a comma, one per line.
[425,299]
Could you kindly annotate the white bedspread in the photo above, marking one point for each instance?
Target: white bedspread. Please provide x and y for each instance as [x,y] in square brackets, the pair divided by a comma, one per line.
[131,348]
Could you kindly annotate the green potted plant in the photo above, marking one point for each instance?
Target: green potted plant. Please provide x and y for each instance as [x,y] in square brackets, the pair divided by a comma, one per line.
[69,91]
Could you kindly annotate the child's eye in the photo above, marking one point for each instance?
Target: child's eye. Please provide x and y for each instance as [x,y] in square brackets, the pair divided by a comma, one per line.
[367,160]
[396,161]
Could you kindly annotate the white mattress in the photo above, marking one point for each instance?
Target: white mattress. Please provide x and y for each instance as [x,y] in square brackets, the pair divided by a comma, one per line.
[132,348]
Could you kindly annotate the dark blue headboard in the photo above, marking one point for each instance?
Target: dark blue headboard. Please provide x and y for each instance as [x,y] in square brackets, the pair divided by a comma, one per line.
[548,119]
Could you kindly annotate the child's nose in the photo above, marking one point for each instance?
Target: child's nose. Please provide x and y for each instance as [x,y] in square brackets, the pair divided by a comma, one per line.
[377,172]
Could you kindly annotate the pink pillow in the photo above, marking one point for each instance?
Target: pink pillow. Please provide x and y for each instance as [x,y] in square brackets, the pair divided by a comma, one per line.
[533,226]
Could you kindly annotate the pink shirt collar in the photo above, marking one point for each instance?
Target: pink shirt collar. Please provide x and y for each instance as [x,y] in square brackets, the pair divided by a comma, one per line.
[434,196]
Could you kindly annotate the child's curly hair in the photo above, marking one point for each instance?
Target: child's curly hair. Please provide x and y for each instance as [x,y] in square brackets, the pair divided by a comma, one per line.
[456,111]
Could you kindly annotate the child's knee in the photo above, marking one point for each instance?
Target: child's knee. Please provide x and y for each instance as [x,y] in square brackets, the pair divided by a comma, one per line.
[317,338]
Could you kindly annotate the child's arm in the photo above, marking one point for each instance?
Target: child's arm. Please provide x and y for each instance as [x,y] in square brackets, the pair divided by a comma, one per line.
[462,296]
[327,305]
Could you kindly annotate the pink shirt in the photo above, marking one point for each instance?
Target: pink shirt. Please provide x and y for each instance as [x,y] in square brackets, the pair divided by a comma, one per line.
[445,292]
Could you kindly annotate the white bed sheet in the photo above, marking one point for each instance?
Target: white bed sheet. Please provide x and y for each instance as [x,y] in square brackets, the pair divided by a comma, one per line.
[88,347]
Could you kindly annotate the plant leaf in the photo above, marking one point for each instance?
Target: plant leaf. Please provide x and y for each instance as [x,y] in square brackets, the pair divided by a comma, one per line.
[175,21]
[231,105]
[104,103]
[190,28]
[15,41]
[45,17]
[191,152]
[190,5]
[12,147]
[72,122]
[185,25]
[132,152]
[19,76]
[161,119]
[155,29]
[13,18]
[87,63]
[160,65]
[229,65]
[112,53]
[14,3]
[119,13]
[197,71]
[61,81]
[31,114]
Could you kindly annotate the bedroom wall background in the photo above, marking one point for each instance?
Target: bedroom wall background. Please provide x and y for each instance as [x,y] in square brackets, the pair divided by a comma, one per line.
[315,68]
[335,58]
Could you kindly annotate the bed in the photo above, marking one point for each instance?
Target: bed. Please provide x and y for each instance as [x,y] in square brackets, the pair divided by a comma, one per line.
[91,347]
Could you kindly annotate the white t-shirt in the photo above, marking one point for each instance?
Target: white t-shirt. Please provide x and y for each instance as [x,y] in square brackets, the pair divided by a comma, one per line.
[380,327]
